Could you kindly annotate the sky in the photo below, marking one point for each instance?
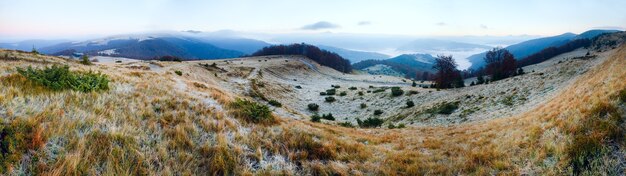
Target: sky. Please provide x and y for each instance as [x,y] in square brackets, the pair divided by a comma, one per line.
[67,19]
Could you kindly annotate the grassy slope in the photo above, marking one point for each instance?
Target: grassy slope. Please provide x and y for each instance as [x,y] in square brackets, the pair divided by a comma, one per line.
[145,125]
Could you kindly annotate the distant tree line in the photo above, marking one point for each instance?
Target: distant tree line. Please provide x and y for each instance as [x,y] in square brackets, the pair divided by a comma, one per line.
[550,52]
[323,57]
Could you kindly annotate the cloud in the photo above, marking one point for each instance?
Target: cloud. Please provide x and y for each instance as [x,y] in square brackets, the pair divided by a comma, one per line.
[483,26]
[364,23]
[441,24]
[320,25]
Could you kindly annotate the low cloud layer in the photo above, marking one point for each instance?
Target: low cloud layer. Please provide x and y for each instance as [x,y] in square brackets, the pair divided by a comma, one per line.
[320,25]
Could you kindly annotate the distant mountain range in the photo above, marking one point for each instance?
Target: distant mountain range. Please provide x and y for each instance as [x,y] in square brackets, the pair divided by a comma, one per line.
[355,56]
[28,45]
[529,47]
[409,65]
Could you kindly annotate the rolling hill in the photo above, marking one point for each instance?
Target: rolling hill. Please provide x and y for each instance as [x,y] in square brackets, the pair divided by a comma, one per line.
[407,64]
[529,47]
[354,56]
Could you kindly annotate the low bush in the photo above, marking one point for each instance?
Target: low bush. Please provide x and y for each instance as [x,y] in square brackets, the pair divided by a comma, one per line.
[330,99]
[444,108]
[275,103]
[363,106]
[409,104]
[331,91]
[61,78]
[298,87]
[251,111]
[313,106]
[322,93]
[378,112]
[316,118]
[346,124]
[392,126]
[344,93]
[413,92]
[396,91]
[328,116]
[360,93]
[85,60]
[370,122]
[336,86]
[352,88]
[179,73]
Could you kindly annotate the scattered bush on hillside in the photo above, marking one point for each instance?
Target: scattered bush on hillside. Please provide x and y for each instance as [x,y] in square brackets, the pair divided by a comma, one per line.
[330,99]
[251,111]
[413,92]
[322,57]
[335,86]
[179,73]
[61,78]
[331,91]
[322,93]
[409,104]
[352,88]
[370,122]
[414,84]
[328,116]
[392,126]
[275,103]
[346,124]
[396,91]
[313,106]
[360,93]
[378,112]
[343,93]
[316,118]
[363,106]
[444,108]
[298,87]
[85,60]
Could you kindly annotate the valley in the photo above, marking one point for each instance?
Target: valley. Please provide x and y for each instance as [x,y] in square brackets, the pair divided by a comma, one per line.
[191,117]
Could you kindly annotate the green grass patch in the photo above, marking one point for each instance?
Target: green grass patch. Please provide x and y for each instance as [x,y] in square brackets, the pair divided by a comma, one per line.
[251,111]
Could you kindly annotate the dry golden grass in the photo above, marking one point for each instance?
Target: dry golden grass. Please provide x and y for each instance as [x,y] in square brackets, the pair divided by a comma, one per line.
[146,125]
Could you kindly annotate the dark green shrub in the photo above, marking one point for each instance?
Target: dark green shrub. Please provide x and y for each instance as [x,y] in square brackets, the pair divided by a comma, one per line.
[413,92]
[61,78]
[378,90]
[352,88]
[378,112]
[396,91]
[330,99]
[363,106]
[298,87]
[346,124]
[344,93]
[360,93]
[370,122]
[275,103]
[444,108]
[331,91]
[322,93]
[85,60]
[251,111]
[328,116]
[336,86]
[179,73]
[409,104]
[414,84]
[313,106]
[402,125]
[316,118]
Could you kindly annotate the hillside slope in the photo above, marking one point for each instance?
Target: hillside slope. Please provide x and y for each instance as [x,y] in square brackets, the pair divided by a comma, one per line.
[153,121]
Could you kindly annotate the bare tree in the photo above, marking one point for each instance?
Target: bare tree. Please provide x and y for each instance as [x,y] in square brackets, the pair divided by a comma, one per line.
[448,75]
